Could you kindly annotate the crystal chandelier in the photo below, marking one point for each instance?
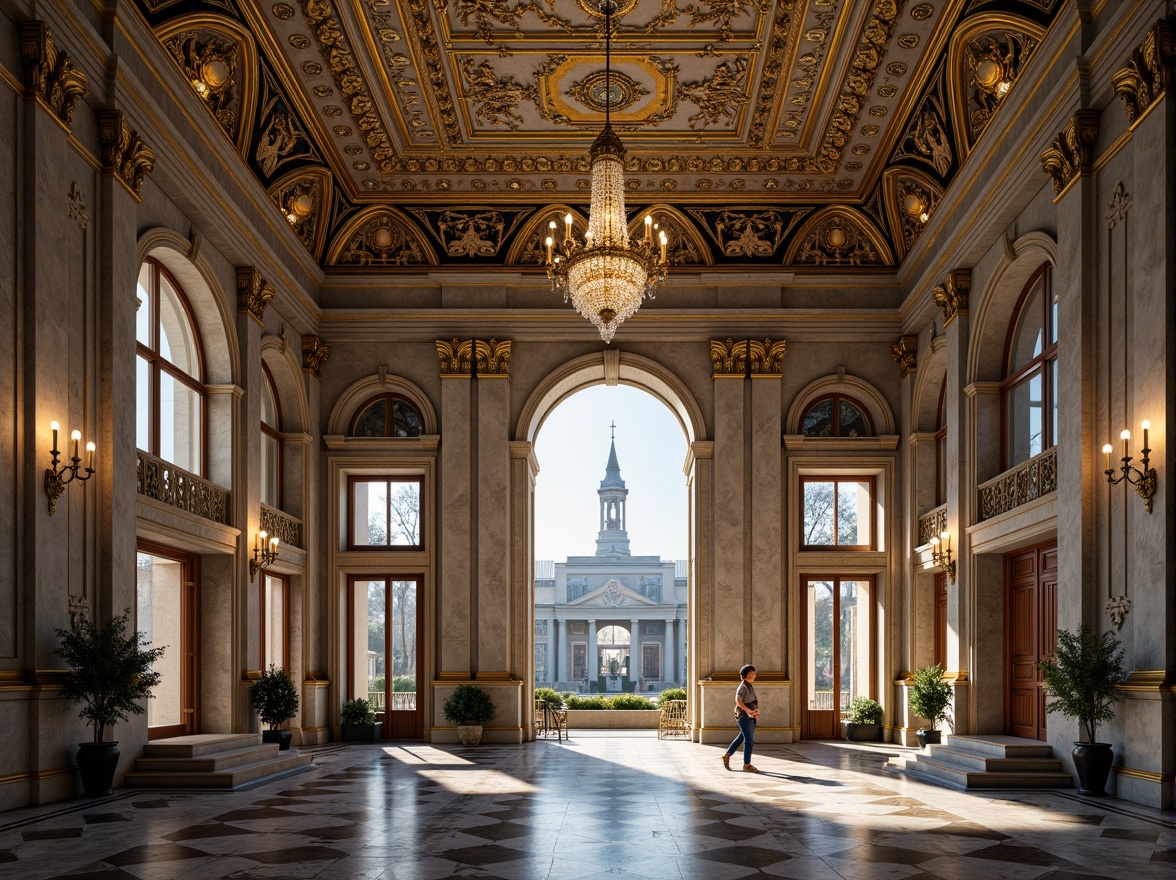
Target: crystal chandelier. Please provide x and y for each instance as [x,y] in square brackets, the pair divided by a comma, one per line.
[606,276]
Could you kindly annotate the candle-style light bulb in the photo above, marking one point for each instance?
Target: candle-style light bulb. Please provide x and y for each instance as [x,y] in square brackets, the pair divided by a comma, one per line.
[1107,450]
[261,536]
[54,427]
[76,437]
[649,227]
[945,537]
[664,241]
[90,455]
[935,541]
[567,227]
[1125,436]
[1146,425]
[549,241]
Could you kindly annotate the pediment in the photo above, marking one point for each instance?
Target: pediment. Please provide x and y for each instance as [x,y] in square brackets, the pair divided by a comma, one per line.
[614,594]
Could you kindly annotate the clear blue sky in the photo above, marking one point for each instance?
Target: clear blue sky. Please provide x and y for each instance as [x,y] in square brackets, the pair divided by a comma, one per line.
[572,448]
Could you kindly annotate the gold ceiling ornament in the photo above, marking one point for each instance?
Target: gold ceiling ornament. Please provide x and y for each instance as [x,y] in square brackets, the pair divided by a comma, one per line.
[50,75]
[380,236]
[952,294]
[720,96]
[254,293]
[601,90]
[838,236]
[904,351]
[926,137]
[606,277]
[124,155]
[302,197]
[492,358]
[1149,70]
[687,246]
[314,354]
[911,199]
[476,232]
[1072,152]
[456,358]
[209,61]
[497,97]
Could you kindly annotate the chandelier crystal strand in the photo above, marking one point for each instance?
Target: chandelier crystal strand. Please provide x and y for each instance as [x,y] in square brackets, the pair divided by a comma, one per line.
[606,277]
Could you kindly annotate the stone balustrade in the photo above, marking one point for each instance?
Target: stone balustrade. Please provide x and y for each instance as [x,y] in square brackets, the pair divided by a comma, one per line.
[282,526]
[1019,485]
[931,524]
[162,481]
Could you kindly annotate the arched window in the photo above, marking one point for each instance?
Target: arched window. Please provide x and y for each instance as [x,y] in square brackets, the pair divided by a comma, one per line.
[169,375]
[836,415]
[271,442]
[1031,378]
[388,415]
[941,447]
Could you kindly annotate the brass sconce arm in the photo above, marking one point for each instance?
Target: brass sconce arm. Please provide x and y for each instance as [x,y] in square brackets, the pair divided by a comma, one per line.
[57,475]
[1143,479]
[941,555]
[264,554]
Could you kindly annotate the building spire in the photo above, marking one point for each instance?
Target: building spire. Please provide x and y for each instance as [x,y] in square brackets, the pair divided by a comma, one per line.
[613,539]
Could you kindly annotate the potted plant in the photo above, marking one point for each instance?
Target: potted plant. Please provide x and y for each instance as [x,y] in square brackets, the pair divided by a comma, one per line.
[930,697]
[276,699]
[1081,677]
[865,721]
[469,707]
[359,721]
[110,674]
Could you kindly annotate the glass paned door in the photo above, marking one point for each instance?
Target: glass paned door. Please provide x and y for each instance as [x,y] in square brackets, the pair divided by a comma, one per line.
[384,651]
[165,614]
[838,666]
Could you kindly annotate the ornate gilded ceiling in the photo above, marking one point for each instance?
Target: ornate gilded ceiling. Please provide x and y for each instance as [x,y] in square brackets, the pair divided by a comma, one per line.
[805,133]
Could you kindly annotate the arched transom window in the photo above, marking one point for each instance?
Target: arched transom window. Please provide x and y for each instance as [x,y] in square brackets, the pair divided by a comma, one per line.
[169,373]
[1030,386]
[387,415]
[836,415]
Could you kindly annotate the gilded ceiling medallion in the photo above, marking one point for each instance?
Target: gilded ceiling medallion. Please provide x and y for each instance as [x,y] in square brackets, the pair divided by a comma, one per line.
[896,68]
[926,138]
[300,41]
[621,91]
[994,60]
[720,96]
[878,111]
[887,92]
[922,11]
[283,11]
[908,41]
[312,68]
[869,130]
[497,97]
[620,8]
[838,237]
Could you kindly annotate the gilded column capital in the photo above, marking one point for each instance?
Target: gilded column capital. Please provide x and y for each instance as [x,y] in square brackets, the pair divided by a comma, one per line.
[728,358]
[50,76]
[492,358]
[314,354]
[456,358]
[766,359]
[1072,151]
[952,294]
[1149,70]
[123,152]
[254,293]
[904,351]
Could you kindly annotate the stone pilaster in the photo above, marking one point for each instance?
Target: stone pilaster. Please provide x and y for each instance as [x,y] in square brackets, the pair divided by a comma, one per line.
[523,468]
[494,523]
[455,515]
[732,610]
[700,478]
[767,569]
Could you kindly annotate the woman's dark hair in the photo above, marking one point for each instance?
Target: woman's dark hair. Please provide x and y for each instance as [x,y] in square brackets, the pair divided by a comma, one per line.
[746,669]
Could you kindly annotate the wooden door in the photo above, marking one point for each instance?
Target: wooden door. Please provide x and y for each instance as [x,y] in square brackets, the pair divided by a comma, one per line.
[1032,620]
[941,620]
[384,651]
[838,664]
[166,614]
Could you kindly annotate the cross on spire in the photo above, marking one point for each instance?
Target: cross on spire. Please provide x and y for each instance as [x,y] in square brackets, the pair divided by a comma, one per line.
[613,426]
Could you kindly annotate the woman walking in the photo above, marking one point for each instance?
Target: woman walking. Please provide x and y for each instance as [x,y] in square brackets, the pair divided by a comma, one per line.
[746,711]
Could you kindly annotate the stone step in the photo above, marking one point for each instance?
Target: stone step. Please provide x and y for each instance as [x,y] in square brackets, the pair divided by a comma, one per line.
[984,763]
[220,779]
[199,744]
[962,777]
[999,746]
[209,763]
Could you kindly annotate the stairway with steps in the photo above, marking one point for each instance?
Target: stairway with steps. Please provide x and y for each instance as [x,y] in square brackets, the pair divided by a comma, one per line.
[984,761]
[222,761]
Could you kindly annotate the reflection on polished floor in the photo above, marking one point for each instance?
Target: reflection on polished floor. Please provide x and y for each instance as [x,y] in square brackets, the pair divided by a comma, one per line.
[597,806]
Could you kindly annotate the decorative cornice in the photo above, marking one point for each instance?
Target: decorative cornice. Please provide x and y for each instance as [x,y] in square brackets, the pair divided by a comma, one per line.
[492,358]
[766,358]
[904,351]
[1072,151]
[728,358]
[456,358]
[314,354]
[49,74]
[254,293]
[1149,70]
[123,152]
[952,295]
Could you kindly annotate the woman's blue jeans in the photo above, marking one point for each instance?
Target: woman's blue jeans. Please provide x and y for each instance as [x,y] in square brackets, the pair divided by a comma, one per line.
[746,736]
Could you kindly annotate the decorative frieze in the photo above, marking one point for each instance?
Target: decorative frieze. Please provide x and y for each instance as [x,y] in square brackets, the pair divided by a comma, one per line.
[163,481]
[123,152]
[1072,151]
[932,525]
[456,358]
[50,76]
[1026,482]
[904,352]
[952,294]
[254,293]
[1148,72]
[314,354]
[492,358]
[747,357]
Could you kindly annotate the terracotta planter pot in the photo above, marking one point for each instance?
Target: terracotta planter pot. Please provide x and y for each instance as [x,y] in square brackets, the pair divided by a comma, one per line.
[469,734]
[1093,763]
[97,763]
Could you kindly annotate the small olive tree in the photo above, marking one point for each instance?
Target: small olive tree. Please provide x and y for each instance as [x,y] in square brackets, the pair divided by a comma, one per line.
[1082,676]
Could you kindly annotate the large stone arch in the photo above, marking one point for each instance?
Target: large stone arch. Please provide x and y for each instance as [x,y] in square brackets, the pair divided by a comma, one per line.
[611,367]
[278,355]
[928,384]
[992,308]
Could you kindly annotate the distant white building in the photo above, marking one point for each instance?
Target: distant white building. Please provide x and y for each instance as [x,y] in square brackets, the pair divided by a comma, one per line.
[610,622]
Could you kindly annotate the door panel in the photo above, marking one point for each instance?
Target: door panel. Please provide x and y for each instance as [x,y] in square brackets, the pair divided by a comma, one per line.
[404,716]
[839,657]
[384,651]
[941,620]
[165,612]
[1031,608]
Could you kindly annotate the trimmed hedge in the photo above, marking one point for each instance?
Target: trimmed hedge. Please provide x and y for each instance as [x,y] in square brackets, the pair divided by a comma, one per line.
[671,694]
[621,701]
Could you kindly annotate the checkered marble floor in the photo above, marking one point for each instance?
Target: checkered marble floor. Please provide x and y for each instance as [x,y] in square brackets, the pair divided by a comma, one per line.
[594,807]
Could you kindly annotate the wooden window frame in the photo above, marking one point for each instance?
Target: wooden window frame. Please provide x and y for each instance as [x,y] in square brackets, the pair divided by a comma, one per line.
[388,397]
[1047,362]
[387,478]
[275,434]
[157,364]
[941,447]
[845,548]
[837,397]
[656,646]
[264,629]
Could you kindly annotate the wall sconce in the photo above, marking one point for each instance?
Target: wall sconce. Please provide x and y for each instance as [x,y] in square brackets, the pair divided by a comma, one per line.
[941,555]
[58,475]
[1144,480]
[264,555]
